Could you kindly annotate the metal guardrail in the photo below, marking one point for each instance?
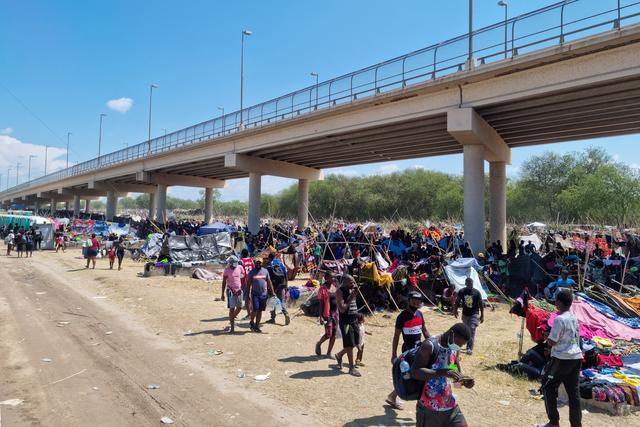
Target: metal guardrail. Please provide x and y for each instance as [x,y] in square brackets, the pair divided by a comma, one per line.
[571,18]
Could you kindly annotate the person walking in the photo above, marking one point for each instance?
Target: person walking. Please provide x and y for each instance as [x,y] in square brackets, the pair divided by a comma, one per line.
[248,265]
[470,300]
[29,244]
[348,308]
[9,241]
[278,275]
[437,363]
[565,364]
[233,279]
[119,251]
[410,324]
[260,287]
[329,316]
[92,250]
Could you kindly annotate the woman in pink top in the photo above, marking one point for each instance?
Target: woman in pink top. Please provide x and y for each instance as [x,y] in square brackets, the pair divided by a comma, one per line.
[233,279]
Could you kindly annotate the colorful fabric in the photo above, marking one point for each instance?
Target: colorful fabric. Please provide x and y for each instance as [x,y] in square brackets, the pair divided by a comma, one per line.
[593,323]
[437,394]
[612,361]
[536,322]
[632,322]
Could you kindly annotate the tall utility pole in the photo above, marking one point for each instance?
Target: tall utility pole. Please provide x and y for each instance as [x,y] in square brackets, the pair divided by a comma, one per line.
[470,58]
[68,135]
[17,171]
[244,33]
[46,151]
[8,174]
[31,156]
[503,3]
[151,87]
[102,115]
[317,76]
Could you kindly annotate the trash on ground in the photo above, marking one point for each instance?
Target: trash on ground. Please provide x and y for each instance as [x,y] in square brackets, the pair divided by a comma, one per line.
[240,373]
[504,402]
[263,377]
[12,402]
[99,297]
[153,386]
[108,332]
[95,388]
[215,352]
[46,359]
[166,420]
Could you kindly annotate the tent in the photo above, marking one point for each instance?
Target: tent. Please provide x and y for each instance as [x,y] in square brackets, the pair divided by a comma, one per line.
[458,271]
[534,239]
[216,227]
[536,225]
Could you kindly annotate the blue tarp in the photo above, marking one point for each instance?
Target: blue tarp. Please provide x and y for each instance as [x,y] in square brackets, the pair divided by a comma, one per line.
[216,227]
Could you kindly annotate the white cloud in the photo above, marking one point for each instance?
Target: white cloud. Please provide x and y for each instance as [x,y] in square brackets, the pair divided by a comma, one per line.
[121,105]
[616,158]
[343,171]
[388,169]
[6,131]
[14,151]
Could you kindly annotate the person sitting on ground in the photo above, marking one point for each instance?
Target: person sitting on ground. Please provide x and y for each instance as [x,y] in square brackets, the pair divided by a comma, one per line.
[328,314]
[437,405]
[260,287]
[346,301]
[449,297]
[410,324]
[470,300]
[531,363]
[232,281]
[566,361]
[553,288]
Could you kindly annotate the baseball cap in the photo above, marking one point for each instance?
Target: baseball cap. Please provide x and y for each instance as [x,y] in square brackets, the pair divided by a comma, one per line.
[414,295]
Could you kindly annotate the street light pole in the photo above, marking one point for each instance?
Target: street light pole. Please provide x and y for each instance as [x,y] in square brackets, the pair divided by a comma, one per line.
[17,171]
[31,156]
[470,58]
[503,3]
[316,75]
[46,151]
[8,175]
[244,33]
[68,135]
[151,87]
[102,115]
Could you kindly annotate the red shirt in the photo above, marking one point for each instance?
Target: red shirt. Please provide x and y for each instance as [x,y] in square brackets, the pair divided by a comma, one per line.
[95,245]
[248,265]
[323,298]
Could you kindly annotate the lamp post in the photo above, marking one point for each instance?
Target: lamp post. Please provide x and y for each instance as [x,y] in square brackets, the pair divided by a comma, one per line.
[46,151]
[102,115]
[151,87]
[31,156]
[470,57]
[17,171]
[164,130]
[68,135]
[317,76]
[244,33]
[503,3]
[8,175]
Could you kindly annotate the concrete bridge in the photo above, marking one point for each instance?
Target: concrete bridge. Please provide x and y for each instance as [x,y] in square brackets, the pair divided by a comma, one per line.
[577,79]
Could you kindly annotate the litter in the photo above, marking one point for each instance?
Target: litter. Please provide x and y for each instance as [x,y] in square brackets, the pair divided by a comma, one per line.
[153,386]
[46,359]
[240,373]
[215,352]
[62,324]
[99,297]
[166,420]
[40,293]
[12,402]
[262,377]
[95,388]
[108,332]
[504,402]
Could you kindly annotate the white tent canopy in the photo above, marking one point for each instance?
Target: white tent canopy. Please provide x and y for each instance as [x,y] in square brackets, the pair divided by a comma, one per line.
[458,271]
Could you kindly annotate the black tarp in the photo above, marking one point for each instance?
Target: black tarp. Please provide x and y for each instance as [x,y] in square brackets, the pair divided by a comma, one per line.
[212,247]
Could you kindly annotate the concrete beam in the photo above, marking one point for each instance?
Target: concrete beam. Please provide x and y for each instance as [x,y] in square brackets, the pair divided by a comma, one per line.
[469,128]
[121,188]
[182,180]
[271,167]
[81,192]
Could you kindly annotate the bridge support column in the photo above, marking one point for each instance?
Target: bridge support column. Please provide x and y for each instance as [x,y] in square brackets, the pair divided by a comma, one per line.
[208,205]
[112,201]
[53,206]
[255,189]
[87,206]
[152,206]
[303,203]
[161,203]
[76,206]
[498,202]
[474,196]
[36,207]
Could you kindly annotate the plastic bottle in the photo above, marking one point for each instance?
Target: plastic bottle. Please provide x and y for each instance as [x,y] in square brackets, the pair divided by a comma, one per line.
[405,369]
[240,373]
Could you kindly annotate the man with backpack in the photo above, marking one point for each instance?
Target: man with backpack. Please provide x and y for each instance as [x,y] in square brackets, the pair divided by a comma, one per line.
[278,275]
[434,363]
[410,324]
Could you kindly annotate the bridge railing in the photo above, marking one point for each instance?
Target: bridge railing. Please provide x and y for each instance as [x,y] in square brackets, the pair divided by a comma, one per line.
[553,25]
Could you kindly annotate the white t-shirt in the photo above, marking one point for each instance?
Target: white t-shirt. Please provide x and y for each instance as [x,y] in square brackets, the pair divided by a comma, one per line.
[566,334]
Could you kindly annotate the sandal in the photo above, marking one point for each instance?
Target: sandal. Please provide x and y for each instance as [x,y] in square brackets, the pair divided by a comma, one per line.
[354,372]
[318,349]
[394,405]
[338,361]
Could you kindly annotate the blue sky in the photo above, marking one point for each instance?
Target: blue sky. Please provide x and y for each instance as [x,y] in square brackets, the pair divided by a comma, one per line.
[65,60]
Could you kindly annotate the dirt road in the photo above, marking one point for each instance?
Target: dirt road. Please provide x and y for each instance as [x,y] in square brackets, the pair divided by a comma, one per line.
[75,363]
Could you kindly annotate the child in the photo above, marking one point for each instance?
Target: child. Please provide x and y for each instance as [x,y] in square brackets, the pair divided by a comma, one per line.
[360,345]
[112,257]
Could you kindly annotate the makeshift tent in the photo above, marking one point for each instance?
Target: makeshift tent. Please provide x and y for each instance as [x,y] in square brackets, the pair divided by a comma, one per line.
[24,221]
[118,229]
[153,246]
[216,227]
[534,239]
[536,225]
[458,271]
[212,247]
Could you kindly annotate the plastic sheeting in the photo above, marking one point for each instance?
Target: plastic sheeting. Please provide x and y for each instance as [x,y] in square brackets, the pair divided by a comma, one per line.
[460,269]
[592,323]
[153,247]
[212,247]
[534,239]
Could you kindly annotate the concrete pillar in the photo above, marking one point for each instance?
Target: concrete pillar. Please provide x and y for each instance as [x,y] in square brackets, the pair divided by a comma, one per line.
[76,206]
[208,205]
[474,196]
[161,203]
[87,206]
[152,206]
[255,184]
[66,206]
[303,203]
[53,206]
[36,206]
[498,202]
[112,201]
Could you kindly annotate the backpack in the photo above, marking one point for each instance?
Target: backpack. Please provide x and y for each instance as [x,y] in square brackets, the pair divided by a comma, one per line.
[276,273]
[411,389]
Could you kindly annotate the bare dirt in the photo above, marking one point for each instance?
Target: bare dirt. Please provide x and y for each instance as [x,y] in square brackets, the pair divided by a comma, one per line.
[125,332]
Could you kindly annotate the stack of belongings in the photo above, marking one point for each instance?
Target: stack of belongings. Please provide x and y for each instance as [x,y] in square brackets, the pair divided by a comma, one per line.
[610,340]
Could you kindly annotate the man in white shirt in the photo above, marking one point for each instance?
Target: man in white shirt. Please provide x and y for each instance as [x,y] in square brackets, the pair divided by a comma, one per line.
[565,364]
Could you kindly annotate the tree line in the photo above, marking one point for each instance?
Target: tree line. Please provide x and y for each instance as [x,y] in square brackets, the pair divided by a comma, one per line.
[582,187]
